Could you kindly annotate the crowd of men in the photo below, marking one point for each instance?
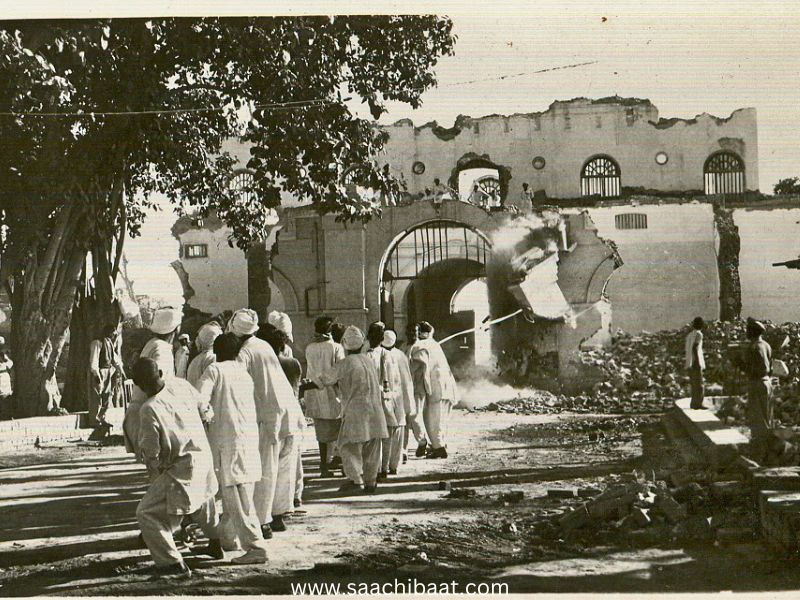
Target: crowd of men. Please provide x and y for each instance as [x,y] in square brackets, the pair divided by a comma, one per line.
[220,434]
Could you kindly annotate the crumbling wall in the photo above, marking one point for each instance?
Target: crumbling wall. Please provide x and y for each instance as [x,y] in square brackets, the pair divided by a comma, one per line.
[730,285]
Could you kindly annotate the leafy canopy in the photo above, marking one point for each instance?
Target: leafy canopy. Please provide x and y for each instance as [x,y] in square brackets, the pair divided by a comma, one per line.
[179,88]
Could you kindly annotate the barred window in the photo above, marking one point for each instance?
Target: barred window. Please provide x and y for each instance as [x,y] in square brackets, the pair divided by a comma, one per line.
[631,221]
[195,250]
[242,183]
[600,176]
[723,173]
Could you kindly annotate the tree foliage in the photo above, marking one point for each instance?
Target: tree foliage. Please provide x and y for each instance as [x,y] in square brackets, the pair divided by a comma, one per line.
[99,117]
[789,185]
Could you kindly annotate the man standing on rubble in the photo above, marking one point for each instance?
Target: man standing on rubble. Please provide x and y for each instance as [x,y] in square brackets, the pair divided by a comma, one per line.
[757,365]
[695,361]
[434,385]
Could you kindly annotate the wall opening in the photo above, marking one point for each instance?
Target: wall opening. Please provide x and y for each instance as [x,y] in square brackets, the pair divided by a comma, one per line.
[425,275]
[723,174]
[601,176]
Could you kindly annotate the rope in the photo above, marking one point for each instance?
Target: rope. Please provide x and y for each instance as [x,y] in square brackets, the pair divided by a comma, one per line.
[481,326]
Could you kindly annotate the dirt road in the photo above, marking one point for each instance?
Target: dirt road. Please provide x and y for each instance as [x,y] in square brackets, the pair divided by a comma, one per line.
[68,525]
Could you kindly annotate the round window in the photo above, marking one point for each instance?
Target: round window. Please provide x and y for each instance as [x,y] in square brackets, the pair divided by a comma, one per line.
[662,158]
[538,163]
[418,168]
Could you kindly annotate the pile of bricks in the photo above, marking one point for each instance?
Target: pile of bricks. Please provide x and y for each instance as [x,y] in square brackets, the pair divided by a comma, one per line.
[654,511]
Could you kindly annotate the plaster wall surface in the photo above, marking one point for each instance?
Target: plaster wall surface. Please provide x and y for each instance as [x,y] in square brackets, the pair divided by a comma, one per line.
[769,236]
[567,135]
[669,275]
[219,280]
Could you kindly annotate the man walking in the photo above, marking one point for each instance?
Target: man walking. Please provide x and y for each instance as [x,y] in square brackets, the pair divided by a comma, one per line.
[323,405]
[363,421]
[279,417]
[174,447]
[233,436]
[695,362]
[434,385]
[411,406]
[392,399]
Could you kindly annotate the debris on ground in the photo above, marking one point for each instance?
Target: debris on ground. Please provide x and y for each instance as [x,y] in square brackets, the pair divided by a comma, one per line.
[645,373]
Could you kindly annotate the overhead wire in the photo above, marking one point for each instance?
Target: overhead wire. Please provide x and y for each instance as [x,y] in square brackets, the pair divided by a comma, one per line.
[276,106]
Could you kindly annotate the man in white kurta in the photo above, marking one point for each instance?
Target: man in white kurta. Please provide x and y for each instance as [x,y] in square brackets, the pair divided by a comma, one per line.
[279,417]
[412,406]
[182,355]
[434,384]
[363,420]
[159,349]
[233,435]
[323,405]
[173,445]
[205,345]
[392,399]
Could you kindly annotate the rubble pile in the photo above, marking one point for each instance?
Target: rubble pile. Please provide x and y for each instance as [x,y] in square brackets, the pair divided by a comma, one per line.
[658,511]
[645,373]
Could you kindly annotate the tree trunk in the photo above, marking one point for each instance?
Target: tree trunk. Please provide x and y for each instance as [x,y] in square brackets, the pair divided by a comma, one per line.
[89,317]
[41,303]
[730,286]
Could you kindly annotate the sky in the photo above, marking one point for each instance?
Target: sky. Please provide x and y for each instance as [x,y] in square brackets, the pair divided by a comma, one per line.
[687,57]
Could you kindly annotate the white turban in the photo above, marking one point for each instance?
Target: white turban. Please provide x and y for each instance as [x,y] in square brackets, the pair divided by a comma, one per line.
[243,322]
[353,338]
[389,339]
[206,336]
[166,320]
[2,340]
[281,320]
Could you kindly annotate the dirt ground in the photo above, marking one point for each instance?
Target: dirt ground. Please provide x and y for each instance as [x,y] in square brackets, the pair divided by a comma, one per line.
[68,525]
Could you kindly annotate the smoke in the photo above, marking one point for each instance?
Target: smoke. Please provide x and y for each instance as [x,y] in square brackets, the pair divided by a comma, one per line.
[479,387]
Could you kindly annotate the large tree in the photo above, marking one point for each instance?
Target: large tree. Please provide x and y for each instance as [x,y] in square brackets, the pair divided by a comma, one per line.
[98,117]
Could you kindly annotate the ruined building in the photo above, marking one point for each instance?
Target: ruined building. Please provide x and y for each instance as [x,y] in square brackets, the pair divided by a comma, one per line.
[634,193]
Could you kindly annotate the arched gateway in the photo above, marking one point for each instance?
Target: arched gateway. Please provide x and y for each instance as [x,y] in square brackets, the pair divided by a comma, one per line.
[425,274]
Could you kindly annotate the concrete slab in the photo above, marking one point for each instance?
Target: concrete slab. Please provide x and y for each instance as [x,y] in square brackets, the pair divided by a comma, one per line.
[778,478]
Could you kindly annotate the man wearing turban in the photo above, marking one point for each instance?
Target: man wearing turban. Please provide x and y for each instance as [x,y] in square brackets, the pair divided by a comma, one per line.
[363,420]
[279,419]
[205,344]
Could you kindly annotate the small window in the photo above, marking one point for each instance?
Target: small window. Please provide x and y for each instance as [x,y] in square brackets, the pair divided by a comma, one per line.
[631,221]
[195,251]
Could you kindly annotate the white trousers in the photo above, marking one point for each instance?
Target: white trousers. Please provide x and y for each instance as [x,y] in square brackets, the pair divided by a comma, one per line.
[274,494]
[361,460]
[437,416]
[415,425]
[298,483]
[239,525]
[392,449]
[157,525]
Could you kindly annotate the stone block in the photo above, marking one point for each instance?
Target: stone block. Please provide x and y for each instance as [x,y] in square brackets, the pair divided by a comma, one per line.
[672,510]
[562,493]
[575,519]
[734,535]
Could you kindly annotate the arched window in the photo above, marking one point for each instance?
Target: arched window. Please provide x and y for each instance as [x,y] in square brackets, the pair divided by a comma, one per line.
[723,173]
[242,183]
[600,176]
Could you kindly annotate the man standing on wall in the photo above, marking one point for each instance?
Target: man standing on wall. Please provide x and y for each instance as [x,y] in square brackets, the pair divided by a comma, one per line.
[526,199]
[695,361]
[758,368]
[434,385]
